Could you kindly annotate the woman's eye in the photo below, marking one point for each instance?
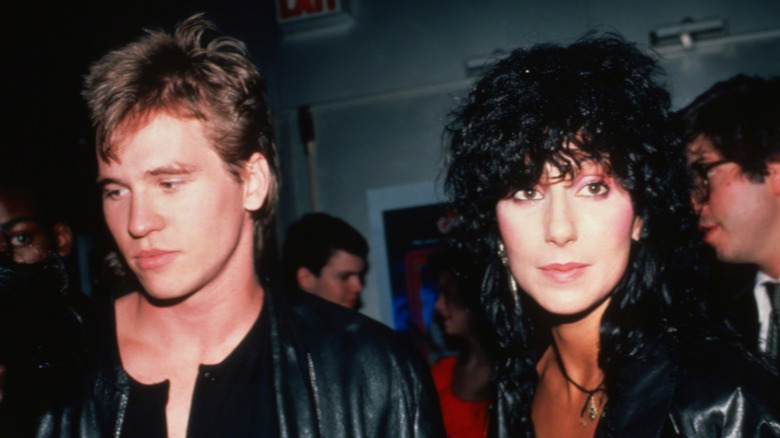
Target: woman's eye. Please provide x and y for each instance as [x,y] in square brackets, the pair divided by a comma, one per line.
[527,195]
[594,189]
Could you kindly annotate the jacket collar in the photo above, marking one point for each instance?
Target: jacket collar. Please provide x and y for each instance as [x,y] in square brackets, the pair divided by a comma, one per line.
[294,373]
[111,388]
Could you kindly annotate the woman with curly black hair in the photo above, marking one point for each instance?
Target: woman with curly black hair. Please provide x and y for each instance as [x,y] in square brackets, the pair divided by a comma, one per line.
[573,191]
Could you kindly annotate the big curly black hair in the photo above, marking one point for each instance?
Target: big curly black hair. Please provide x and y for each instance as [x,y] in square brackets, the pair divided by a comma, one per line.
[605,97]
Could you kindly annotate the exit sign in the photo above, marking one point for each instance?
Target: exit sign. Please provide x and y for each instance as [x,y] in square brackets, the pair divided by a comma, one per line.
[307,16]
[294,10]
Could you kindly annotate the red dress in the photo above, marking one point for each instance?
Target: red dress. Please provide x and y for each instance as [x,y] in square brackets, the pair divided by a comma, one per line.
[462,418]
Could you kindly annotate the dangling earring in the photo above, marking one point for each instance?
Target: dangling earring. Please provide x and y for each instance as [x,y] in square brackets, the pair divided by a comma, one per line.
[502,254]
[513,286]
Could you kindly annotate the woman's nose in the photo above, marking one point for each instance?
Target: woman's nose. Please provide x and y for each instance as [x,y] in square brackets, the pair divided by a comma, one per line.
[560,228]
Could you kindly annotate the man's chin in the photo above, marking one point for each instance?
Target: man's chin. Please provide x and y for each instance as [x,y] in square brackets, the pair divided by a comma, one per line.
[726,255]
[355,303]
[714,237]
[164,299]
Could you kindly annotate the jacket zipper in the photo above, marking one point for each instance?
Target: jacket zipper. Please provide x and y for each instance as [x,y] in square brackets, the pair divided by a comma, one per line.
[120,416]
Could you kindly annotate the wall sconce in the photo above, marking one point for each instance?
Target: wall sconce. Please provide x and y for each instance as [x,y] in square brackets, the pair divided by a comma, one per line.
[476,65]
[687,33]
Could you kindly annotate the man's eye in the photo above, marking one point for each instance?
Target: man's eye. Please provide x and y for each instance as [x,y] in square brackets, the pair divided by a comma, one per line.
[112,193]
[170,185]
[22,239]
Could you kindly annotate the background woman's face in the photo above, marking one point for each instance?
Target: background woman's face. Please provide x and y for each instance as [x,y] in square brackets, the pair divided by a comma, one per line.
[568,238]
[454,316]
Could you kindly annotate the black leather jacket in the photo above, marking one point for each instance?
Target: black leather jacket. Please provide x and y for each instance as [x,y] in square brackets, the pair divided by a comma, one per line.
[709,390]
[336,373]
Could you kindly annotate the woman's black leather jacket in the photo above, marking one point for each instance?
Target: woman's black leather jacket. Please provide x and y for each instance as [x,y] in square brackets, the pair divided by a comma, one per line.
[707,390]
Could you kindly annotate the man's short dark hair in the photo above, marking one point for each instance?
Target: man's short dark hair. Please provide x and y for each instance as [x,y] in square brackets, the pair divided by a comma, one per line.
[312,240]
[741,117]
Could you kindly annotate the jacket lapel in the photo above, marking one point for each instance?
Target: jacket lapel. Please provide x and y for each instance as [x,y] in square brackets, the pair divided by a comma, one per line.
[744,316]
[293,375]
[641,406]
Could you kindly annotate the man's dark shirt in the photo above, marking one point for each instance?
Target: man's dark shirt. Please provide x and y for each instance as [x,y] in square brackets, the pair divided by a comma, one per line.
[222,394]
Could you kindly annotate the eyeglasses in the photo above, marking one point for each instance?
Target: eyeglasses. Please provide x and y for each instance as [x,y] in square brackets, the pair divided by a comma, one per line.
[17,241]
[700,173]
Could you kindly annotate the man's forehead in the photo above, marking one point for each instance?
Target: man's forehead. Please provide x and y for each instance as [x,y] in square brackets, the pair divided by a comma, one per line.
[16,203]
[136,121]
[344,260]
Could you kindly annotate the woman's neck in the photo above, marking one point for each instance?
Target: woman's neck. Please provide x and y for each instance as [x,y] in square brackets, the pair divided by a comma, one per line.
[471,378]
[472,352]
[576,343]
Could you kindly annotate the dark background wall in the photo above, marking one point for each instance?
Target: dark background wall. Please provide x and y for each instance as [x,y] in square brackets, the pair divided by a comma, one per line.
[378,88]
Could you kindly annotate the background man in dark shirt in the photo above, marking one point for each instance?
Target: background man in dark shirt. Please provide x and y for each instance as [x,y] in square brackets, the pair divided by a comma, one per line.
[325,256]
[732,132]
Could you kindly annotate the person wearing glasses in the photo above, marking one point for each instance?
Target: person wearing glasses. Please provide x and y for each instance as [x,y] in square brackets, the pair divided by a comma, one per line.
[732,137]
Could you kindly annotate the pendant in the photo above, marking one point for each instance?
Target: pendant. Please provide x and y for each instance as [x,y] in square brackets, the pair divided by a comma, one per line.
[593,411]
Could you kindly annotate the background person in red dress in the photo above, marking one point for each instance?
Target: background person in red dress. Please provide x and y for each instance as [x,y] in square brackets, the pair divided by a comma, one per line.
[463,381]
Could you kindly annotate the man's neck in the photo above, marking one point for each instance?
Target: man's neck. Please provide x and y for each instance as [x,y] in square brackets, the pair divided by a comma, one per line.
[772,269]
[762,276]
[767,254]
[200,329]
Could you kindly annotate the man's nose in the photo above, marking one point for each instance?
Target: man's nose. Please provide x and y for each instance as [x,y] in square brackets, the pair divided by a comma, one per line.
[356,284]
[439,305]
[143,218]
[698,205]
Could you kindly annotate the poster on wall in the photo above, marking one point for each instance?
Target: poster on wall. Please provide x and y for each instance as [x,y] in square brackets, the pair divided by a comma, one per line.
[412,236]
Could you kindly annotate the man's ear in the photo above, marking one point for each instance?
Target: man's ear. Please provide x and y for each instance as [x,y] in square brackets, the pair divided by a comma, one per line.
[256,177]
[306,279]
[63,239]
[774,176]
